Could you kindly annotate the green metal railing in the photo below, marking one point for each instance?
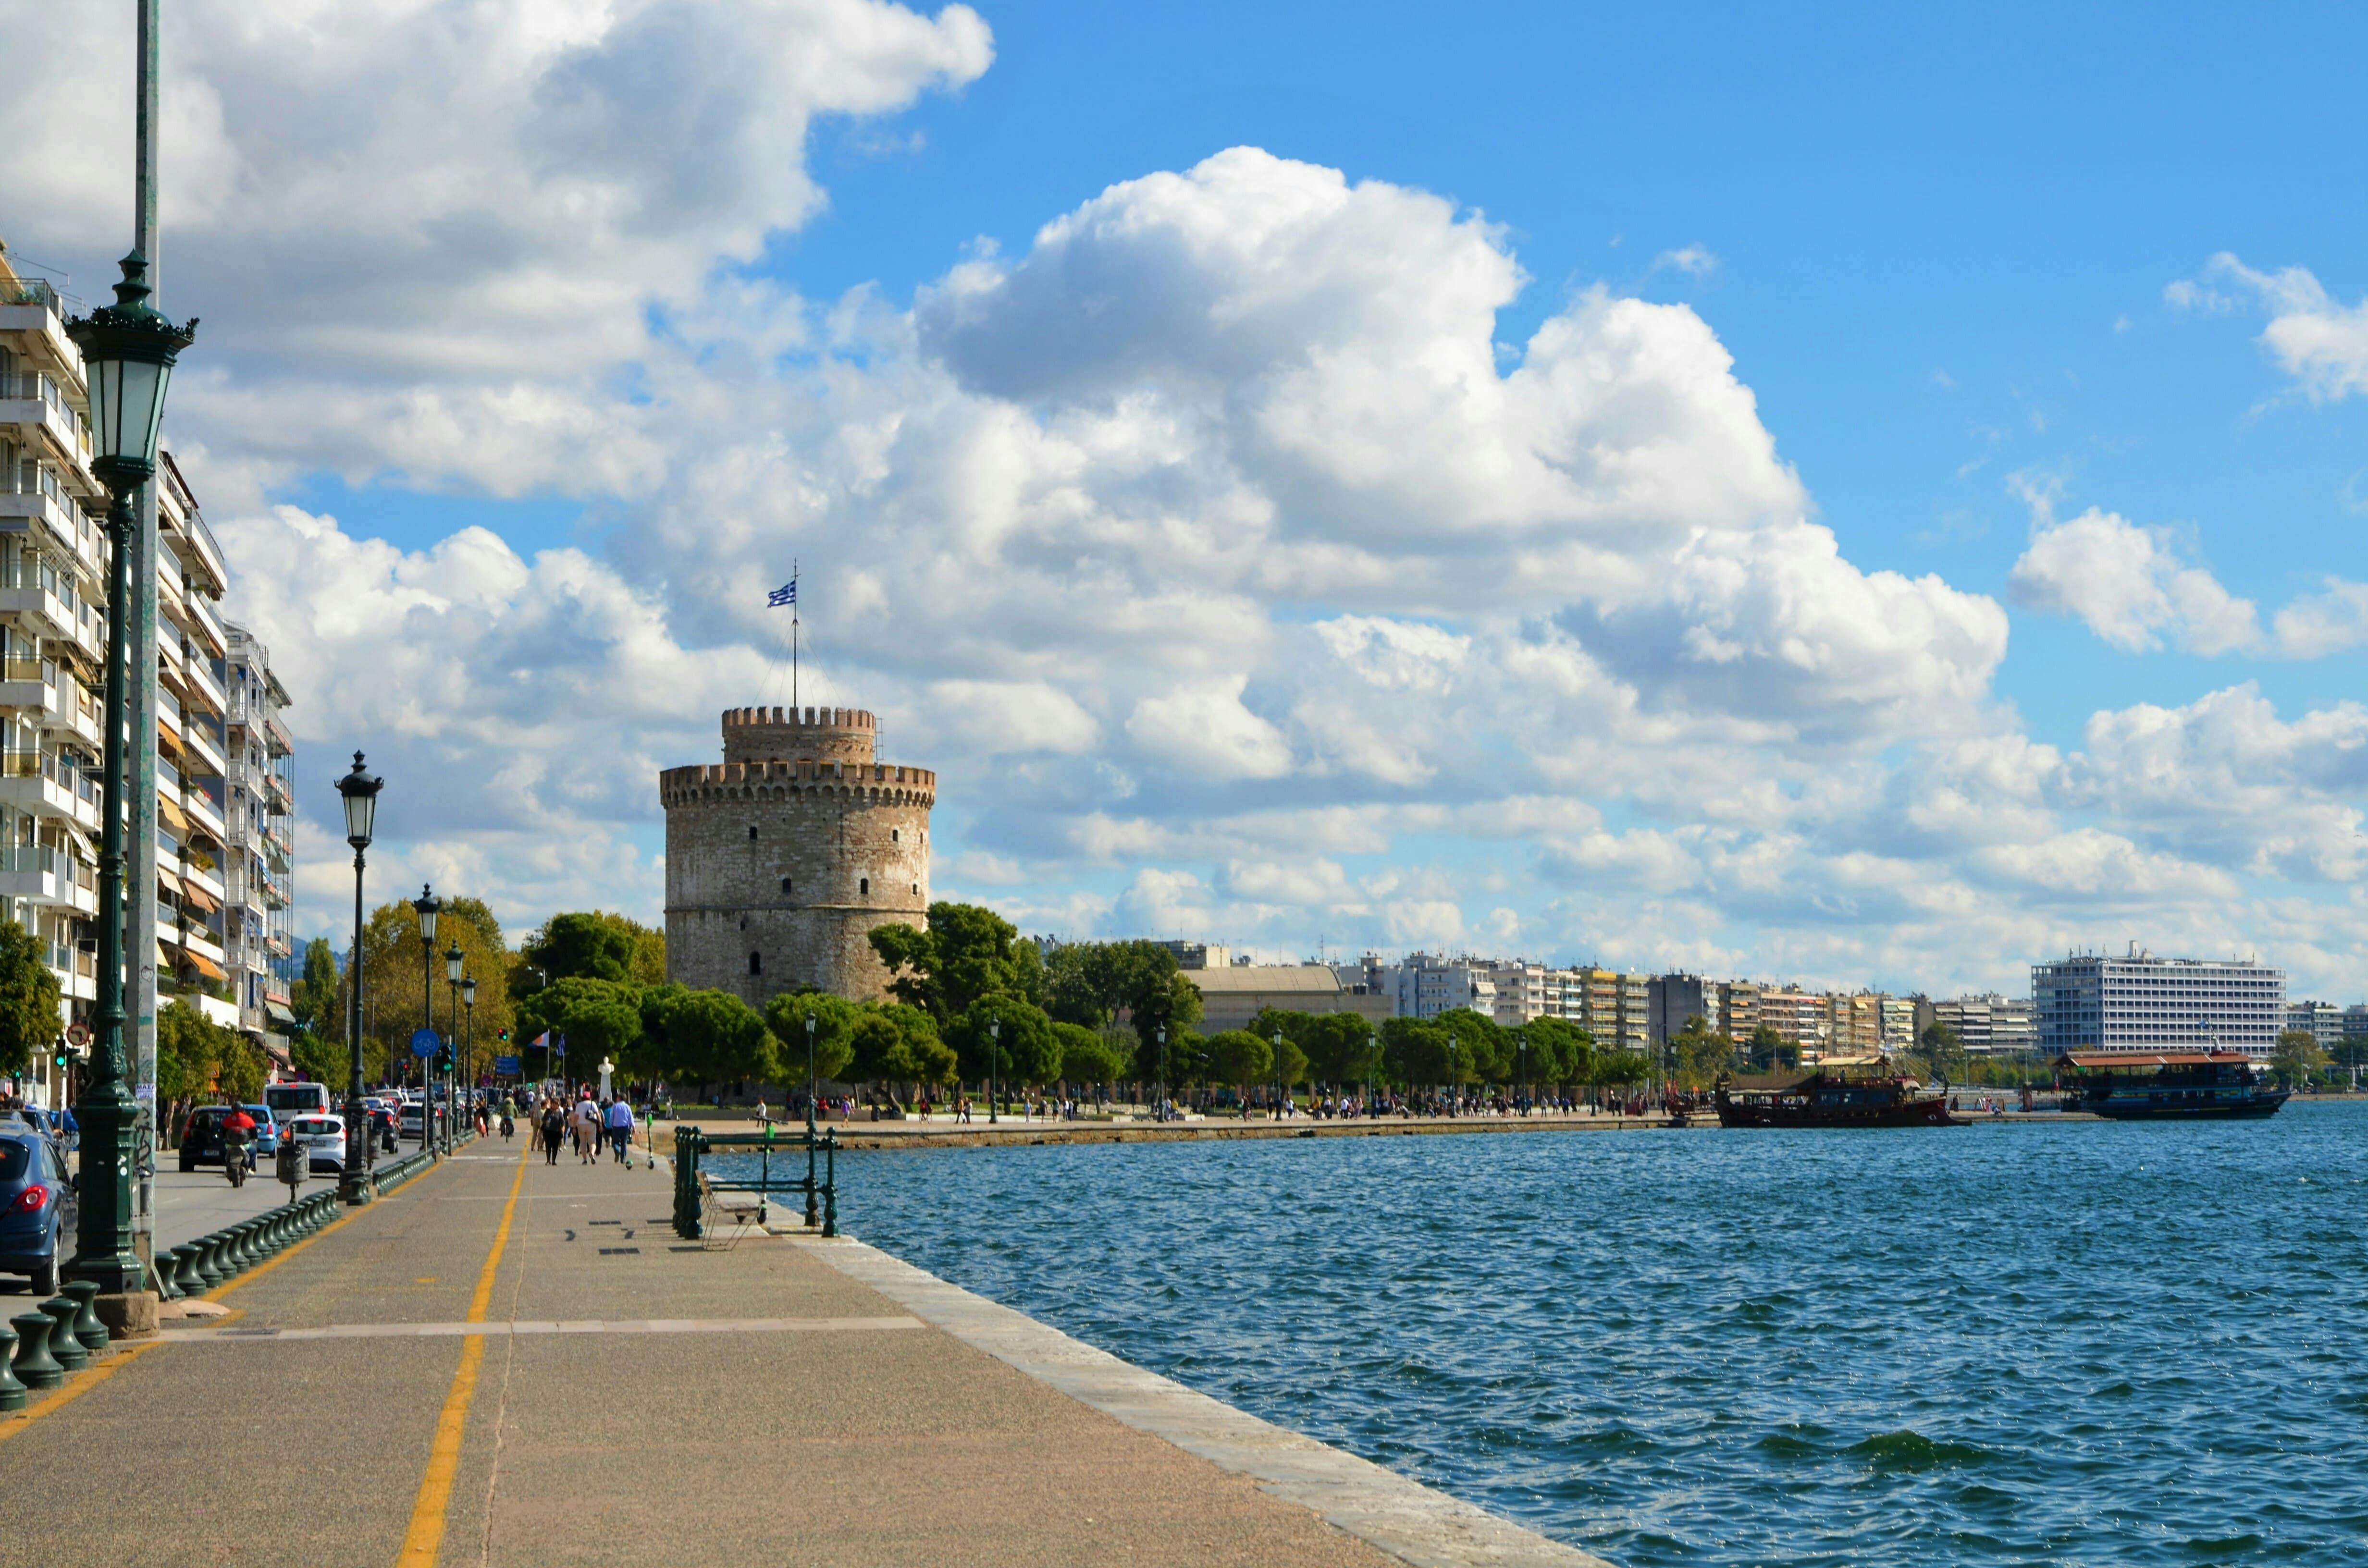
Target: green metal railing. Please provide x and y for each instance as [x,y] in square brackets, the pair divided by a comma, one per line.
[693,1148]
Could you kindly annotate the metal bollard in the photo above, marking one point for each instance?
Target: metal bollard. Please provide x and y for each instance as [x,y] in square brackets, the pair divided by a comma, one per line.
[186,1277]
[12,1392]
[33,1364]
[63,1346]
[87,1327]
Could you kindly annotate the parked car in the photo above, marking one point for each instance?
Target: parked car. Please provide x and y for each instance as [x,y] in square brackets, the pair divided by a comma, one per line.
[35,1205]
[299,1099]
[323,1139]
[201,1139]
[414,1114]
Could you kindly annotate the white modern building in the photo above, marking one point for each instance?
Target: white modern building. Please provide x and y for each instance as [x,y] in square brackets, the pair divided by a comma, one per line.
[1428,984]
[2139,1001]
[1989,1024]
[2323,1021]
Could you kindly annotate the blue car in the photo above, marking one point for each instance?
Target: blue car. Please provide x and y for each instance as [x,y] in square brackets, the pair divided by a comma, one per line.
[35,1205]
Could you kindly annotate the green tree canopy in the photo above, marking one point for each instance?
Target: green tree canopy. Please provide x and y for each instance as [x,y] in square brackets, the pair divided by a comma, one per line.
[969,951]
[1701,1052]
[834,1034]
[1090,1056]
[198,1060]
[1551,1050]
[598,1018]
[1482,1053]
[1239,1057]
[1030,1052]
[2298,1059]
[592,945]
[894,1043]
[315,992]
[30,1020]
[1617,1068]
[1771,1051]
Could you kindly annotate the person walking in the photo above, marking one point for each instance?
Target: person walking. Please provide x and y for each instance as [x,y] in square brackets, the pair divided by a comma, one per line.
[620,1130]
[553,1124]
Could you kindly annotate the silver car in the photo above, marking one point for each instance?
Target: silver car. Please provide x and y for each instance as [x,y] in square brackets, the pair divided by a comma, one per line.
[323,1139]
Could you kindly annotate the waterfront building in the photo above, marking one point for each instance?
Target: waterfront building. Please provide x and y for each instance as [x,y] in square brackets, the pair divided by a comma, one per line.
[1740,1010]
[1904,1018]
[1798,1016]
[1672,999]
[194,928]
[2355,1020]
[1427,984]
[1232,996]
[259,878]
[1199,955]
[1523,991]
[2136,1003]
[783,859]
[1989,1025]
[2323,1021]
[1854,1023]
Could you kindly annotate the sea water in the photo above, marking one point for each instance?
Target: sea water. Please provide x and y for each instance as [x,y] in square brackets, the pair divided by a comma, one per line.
[2037,1342]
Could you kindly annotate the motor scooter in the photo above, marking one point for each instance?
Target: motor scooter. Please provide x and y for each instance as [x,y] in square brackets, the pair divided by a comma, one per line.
[235,1158]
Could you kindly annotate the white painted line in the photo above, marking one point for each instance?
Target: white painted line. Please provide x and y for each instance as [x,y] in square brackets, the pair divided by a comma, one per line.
[1408,1521]
[517,1326]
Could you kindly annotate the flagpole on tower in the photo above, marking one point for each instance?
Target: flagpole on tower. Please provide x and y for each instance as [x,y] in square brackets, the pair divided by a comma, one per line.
[793,638]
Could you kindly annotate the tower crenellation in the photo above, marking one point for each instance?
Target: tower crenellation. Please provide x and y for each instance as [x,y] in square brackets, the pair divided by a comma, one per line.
[782,858]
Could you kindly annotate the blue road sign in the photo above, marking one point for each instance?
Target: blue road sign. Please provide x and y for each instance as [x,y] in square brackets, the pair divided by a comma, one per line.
[425,1041]
[508,1064]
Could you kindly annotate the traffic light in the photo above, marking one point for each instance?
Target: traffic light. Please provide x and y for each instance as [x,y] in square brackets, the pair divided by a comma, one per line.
[60,1055]
[444,1059]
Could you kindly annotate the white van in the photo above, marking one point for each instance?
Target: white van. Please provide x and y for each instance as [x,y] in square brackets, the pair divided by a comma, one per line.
[288,1100]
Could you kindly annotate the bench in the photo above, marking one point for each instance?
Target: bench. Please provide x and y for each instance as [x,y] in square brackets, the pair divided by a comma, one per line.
[742,1209]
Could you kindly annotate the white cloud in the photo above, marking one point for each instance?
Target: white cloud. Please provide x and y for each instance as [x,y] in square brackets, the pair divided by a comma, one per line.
[1695,261]
[2318,340]
[2130,585]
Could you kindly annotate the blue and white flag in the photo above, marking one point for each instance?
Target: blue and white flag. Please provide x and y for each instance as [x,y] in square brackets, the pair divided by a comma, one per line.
[787,593]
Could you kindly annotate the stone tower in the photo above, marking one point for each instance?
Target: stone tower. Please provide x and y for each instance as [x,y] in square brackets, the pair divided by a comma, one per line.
[782,860]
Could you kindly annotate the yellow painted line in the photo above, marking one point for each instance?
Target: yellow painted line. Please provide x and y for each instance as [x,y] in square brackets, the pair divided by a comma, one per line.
[81,1384]
[425,1539]
[268,1265]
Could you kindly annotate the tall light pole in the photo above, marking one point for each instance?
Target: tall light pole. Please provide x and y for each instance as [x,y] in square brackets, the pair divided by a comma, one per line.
[1374,1078]
[427,906]
[994,1052]
[813,1213]
[454,962]
[1451,1074]
[1159,1111]
[129,350]
[1278,1074]
[360,793]
[469,1042]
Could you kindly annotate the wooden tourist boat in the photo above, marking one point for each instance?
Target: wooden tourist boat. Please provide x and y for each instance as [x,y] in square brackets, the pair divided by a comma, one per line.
[1834,1094]
[2169,1085]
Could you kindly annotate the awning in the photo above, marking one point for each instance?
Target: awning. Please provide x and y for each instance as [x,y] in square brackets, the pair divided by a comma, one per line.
[192,893]
[204,965]
[280,1014]
[172,814]
[169,883]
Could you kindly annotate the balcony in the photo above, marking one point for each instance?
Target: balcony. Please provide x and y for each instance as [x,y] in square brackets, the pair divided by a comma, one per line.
[38,782]
[204,814]
[216,641]
[281,744]
[198,872]
[205,691]
[32,686]
[37,404]
[50,614]
[32,306]
[35,872]
[49,512]
[275,846]
[276,796]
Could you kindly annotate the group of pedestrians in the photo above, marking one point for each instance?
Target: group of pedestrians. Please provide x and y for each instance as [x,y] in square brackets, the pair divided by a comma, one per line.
[590,1126]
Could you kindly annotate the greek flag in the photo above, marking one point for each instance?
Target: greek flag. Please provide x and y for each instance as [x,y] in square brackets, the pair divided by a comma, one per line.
[787,593]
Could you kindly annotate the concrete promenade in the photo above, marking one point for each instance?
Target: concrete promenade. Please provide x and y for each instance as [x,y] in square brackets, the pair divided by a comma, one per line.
[513,1364]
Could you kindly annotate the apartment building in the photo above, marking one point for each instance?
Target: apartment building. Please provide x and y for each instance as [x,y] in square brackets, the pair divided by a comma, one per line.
[1524,991]
[1427,984]
[1672,999]
[1854,1023]
[1797,1016]
[1740,1010]
[2140,1003]
[52,637]
[1903,1022]
[259,875]
[192,764]
[2323,1021]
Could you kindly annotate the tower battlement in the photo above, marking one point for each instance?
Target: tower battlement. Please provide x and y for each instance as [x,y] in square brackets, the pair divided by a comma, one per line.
[787,735]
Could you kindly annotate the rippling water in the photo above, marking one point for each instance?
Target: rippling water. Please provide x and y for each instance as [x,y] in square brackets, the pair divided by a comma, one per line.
[2074,1344]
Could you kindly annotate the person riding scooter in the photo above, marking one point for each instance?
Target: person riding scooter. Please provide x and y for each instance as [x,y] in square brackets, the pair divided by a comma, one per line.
[238,1145]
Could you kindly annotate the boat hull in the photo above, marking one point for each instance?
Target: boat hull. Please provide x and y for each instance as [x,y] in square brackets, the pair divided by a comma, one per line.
[2139,1108]
[1931,1110]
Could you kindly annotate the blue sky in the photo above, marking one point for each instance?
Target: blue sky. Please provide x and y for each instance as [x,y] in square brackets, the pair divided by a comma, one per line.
[543,345]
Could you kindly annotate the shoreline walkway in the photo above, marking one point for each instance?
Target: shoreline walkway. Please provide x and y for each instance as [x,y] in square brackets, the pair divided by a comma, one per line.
[507,1363]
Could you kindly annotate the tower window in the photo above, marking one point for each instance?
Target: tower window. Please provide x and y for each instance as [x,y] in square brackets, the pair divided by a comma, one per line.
[756,963]
[892,833]
[916,889]
[752,831]
[864,885]
[785,884]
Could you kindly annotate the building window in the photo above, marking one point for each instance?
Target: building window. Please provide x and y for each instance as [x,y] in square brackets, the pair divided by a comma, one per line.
[892,833]
[752,831]
[864,886]
[756,963]
[785,886]
[916,889]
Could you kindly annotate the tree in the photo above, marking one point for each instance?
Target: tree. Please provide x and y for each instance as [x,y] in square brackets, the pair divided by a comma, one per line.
[1414,1050]
[1551,1050]
[968,952]
[1029,1052]
[1480,1052]
[2298,1059]
[317,1058]
[198,1059]
[834,1035]
[2351,1053]
[1339,1047]
[893,1043]
[315,992]
[703,1037]
[28,999]
[1942,1051]
[1771,1051]
[593,945]
[391,986]
[1702,1053]
[1617,1068]
[598,1019]
[1239,1057]
[1089,1056]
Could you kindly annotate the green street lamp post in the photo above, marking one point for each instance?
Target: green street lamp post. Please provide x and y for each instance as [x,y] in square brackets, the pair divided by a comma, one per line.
[813,1213]
[129,349]
[1159,1111]
[455,961]
[994,1052]
[1451,1074]
[468,1041]
[361,794]
[1374,1078]
[427,906]
[1278,1074]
